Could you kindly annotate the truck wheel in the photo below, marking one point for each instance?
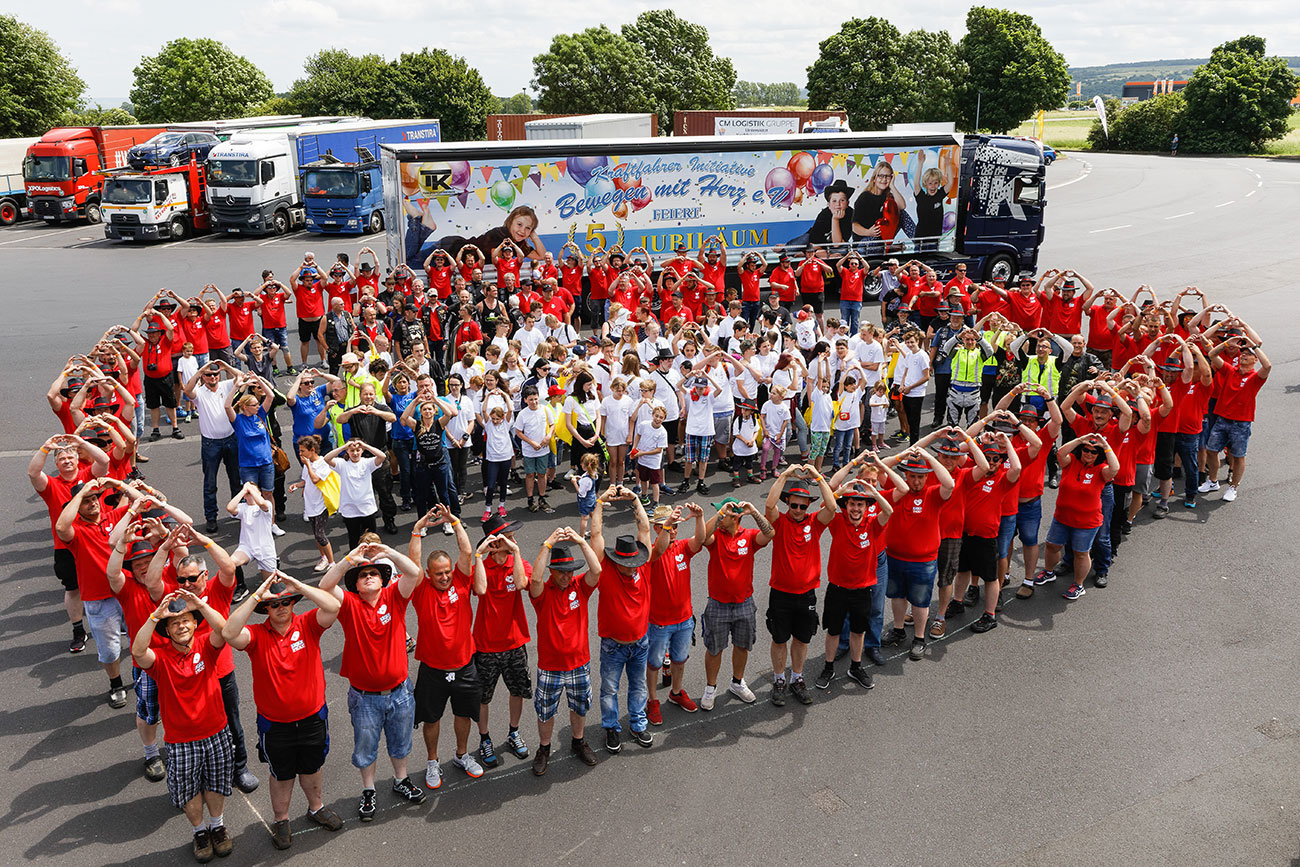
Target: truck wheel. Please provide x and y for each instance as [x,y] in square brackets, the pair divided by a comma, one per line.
[176,228]
[92,213]
[376,222]
[1002,266]
[280,223]
[8,213]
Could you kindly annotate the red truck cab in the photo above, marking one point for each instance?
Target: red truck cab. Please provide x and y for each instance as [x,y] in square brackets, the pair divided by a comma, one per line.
[62,170]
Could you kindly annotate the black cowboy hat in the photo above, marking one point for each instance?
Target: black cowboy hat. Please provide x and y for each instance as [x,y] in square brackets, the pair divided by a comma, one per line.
[175,608]
[797,488]
[277,591]
[164,302]
[665,353]
[626,551]
[140,548]
[564,559]
[838,187]
[350,577]
[915,465]
[496,525]
[950,446]
[74,384]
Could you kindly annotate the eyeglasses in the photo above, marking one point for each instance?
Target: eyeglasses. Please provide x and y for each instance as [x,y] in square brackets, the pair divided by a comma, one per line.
[207,374]
[281,603]
[190,579]
[798,506]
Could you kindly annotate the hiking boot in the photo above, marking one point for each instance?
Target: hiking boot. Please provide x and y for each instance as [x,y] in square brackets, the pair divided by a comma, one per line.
[778,693]
[824,679]
[653,713]
[222,845]
[612,744]
[541,760]
[583,751]
[408,791]
[366,809]
[281,834]
[486,755]
[545,506]
[154,770]
[799,690]
[683,701]
[985,623]
[918,649]
[955,608]
[203,846]
[326,818]
[701,487]
[643,738]
[860,676]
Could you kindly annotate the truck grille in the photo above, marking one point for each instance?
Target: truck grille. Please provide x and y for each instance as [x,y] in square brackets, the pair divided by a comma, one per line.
[126,219]
[46,207]
[232,209]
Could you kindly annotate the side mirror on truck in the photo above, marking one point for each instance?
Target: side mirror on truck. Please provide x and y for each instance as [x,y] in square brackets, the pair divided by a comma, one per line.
[268,171]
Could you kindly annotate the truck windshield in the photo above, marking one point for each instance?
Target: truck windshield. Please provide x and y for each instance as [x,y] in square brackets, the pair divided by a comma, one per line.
[47,169]
[124,192]
[232,173]
[341,183]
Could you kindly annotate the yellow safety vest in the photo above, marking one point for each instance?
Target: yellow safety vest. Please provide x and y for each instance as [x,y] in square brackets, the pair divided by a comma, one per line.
[967,365]
[1034,372]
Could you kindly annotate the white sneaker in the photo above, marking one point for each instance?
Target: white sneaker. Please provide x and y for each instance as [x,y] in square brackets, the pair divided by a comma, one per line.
[322,565]
[706,700]
[448,530]
[433,776]
[468,764]
[1208,485]
[742,691]
[276,531]
[1230,494]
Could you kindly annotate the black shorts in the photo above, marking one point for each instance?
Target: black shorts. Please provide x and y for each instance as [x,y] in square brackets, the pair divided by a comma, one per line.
[979,556]
[813,299]
[841,602]
[792,615]
[65,568]
[435,686]
[160,391]
[294,748]
[1166,443]
[674,431]
[510,666]
[308,329]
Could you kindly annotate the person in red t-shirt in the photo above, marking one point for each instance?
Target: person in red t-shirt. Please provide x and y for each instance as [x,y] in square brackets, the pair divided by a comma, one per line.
[199,752]
[623,619]
[750,270]
[983,518]
[851,574]
[783,279]
[380,701]
[289,692]
[1063,307]
[672,621]
[309,299]
[1025,305]
[155,340]
[271,298]
[812,273]
[75,460]
[1234,411]
[1101,327]
[796,573]
[445,643]
[729,615]
[1078,518]
[559,596]
[439,268]
[913,542]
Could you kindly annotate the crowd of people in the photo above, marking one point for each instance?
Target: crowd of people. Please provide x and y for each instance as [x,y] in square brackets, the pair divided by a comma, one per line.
[652,381]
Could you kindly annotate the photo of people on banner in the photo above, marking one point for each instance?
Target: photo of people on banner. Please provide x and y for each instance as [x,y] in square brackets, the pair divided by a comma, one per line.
[877,202]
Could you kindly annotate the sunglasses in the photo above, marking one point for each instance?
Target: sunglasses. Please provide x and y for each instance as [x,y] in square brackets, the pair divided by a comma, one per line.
[282,603]
[190,579]
[801,507]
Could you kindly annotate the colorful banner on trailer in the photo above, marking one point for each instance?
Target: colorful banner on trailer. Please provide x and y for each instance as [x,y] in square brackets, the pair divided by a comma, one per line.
[882,201]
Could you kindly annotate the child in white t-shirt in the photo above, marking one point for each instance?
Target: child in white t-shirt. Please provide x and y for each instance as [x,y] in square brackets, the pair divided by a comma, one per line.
[879,403]
[187,366]
[648,448]
[847,420]
[497,454]
[776,424]
[256,544]
[744,444]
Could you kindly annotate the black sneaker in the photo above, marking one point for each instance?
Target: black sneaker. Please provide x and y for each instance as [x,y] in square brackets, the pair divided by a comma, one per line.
[240,594]
[154,435]
[876,657]
[799,690]
[78,643]
[643,738]
[955,608]
[154,771]
[860,676]
[487,756]
[117,697]
[701,487]
[611,741]
[211,526]
[824,679]
[1100,579]
[541,760]
[985,623]
[972,595]
[894,637]
[408,791]
[176,434]
[778,693]
[366,809]
[515,743]
[918,649]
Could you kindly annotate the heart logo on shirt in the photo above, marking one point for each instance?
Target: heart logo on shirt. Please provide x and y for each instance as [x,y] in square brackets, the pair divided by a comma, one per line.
[198,657]
[383,609]
[573,594]
[294,637]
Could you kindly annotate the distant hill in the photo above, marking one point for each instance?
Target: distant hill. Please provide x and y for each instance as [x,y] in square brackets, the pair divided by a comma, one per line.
[1109,80]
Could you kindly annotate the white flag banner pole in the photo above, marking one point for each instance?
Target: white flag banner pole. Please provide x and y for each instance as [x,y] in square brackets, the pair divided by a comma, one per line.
[1101,113]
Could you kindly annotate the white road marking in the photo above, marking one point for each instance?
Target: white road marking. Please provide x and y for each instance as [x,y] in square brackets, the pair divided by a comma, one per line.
[1111,228]
[1087,170]
[46,233]
[1225,204]
[1183,214]
[256,812]
[1252,192]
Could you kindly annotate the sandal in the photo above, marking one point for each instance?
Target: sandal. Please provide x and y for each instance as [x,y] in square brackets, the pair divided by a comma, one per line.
[1025,591]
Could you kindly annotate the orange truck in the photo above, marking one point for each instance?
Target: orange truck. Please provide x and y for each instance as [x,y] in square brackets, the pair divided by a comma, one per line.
[63,170]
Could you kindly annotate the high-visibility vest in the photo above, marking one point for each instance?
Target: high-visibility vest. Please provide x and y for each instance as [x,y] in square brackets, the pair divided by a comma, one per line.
[967,365]
[1047,375]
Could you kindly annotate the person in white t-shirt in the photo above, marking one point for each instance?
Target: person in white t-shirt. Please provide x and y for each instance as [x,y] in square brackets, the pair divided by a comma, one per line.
[498,452]
[805,330]
[879,403]
[870,354]
[847,420]
[776,426]
[530,336]
[533,427]
[256,544]
[699,392]
[822,416]
[665,379]
[616,410]
[315,471]
[217,435]
[744,444]
[356,494]
[648,449]
[910,376]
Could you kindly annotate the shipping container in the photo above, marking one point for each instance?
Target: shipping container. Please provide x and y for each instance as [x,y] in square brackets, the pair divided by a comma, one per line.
[510,127]
[590,126]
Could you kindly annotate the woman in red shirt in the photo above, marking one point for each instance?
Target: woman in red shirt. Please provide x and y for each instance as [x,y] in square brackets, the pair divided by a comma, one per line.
[1078,506]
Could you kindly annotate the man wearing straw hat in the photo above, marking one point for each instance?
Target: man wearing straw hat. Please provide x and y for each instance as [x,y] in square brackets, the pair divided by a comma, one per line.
[289,692]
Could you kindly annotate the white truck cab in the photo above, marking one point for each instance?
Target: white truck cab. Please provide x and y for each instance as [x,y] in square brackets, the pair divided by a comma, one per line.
[253,184]
[152,205]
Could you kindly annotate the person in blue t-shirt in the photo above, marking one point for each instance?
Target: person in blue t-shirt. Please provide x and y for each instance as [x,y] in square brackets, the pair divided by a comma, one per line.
[306,401]
[398,394]
[252,433]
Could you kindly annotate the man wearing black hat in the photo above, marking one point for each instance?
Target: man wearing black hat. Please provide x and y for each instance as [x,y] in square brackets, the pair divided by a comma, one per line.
[563,646]
[623,619]
[200,761]
[666,381]
[796,573]
[156,361]
[380,700]
[834,225]
[289,692]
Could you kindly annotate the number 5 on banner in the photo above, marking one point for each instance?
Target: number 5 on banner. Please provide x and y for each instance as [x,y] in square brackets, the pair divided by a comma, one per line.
[595,240]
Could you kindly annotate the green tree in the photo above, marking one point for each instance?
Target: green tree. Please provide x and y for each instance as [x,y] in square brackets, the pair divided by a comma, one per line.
[1144,126]
[596,70]
[520,103]
[1013,71]
[38,84]
[97,115]
[684,72]
[934,73]
[783,93]
[197,79]
[1240,100]
[435,84]
[747,93]
[338,82]
[275,105]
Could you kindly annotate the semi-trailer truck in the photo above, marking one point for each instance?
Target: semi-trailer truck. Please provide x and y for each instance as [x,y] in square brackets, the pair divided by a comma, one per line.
[255,178]
[937,197]
[342,189]
[155,204]
[62,169]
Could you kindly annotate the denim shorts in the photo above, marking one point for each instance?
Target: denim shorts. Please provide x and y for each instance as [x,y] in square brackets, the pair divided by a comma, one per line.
[276,336]
[104,621]
[263,474]
[1006,535]
[675,639]
[391,714]
[587,504]
[536,466]
[1235,435]
[1029,519]
[1075,538]
[911,581]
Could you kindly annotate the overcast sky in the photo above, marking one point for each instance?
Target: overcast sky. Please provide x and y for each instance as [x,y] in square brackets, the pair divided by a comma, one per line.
[768,40]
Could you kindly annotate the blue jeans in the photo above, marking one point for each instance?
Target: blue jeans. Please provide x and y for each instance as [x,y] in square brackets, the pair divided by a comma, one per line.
[912,581]
[1187,446]
[214,453]
[405,451]
[841,447]
[877,621]
[675,640]
[391,714]
[850,311]
[615,657]
[435,485]
[262,474]
[749,312]
[1101,545]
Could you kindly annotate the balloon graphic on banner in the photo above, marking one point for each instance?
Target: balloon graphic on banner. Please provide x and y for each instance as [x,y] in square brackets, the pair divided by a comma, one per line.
[641,197]
[801,165]
[410,178]
[779,185]
[949,222]
[503,194]
[580,168]
[822,177]
[597,187]
[460,175]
